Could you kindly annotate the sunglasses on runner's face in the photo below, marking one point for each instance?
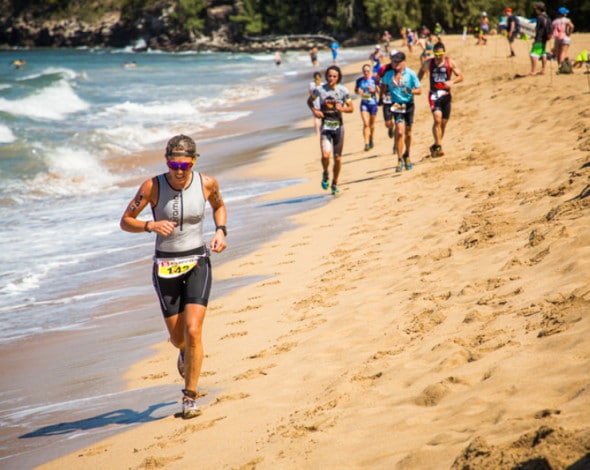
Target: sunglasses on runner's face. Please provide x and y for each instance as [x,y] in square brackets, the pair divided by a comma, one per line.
[439,53]
[184,166]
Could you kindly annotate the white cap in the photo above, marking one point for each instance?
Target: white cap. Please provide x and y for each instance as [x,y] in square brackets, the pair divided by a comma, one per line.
[393,52]
[483,13]
[377,46]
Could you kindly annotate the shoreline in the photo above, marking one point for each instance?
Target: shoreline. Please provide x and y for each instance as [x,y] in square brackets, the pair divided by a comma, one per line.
[51,351]
[401,355]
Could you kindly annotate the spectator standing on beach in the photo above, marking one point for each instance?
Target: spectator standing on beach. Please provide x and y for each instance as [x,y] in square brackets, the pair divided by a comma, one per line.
[328,102]
[403,84]
[386,39]
[427,45]
[542,34]
[181,272]
[376,57]
[512,29]
[317,81]
[411,39]
[484,29]
[367,89]
[313,55]
[334,48]
[562,28]
[441,69]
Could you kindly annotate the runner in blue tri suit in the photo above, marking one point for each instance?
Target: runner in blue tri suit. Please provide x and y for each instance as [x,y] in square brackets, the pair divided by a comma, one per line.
[366,87]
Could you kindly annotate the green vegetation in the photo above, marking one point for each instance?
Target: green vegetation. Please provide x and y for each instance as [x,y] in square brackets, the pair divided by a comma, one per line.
[340,18]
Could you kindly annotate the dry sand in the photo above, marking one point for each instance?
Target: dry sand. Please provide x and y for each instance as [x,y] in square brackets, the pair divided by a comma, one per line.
[431,319]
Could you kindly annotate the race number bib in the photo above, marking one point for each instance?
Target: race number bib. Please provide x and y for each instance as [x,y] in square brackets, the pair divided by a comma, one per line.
[398,108]
[174,267]
[435,95]
[366,96]
[331,125]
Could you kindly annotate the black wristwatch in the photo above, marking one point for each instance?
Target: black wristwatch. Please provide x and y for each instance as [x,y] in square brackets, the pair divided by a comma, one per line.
[223,228]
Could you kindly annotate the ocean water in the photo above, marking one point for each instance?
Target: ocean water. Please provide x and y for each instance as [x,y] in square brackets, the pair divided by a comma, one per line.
[68,121]
[79,130]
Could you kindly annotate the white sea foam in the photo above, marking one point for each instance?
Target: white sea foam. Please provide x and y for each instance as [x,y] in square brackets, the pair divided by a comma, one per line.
[177,108]
[72,170]
[66,73]
[6,135]
[54,103]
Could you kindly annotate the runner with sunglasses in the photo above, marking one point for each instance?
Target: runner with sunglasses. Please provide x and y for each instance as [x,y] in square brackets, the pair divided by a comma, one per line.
[181,271]
[441,69]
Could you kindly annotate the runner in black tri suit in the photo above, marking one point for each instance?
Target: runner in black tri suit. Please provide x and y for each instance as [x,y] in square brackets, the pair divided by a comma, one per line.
[441,69]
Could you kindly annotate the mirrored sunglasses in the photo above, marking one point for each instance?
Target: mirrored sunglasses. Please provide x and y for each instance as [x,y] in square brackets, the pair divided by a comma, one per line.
[184,166]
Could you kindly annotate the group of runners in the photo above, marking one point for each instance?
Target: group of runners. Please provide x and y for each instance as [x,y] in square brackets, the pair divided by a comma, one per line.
[393,87]
[177,198]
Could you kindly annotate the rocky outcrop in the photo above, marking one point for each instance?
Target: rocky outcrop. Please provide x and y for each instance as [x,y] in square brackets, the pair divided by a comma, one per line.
[157,27]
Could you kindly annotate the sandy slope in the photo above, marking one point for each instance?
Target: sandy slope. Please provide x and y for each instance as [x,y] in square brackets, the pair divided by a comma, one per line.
[436,316]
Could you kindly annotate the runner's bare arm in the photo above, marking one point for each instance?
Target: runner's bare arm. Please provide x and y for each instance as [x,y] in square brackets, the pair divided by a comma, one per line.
[347,108]
[146,194]
[316,112]
[457,72]
[129,222]
[213,195]
[425,67]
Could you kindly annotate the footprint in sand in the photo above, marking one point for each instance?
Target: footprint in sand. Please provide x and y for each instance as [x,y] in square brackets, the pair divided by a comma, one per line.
[254,373]
[223,398]
[275,350]
[435,393]
[234,335]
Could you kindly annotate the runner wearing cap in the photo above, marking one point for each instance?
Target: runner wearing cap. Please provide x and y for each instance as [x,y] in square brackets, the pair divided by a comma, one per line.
[181,272]
[403,84]
[376,57]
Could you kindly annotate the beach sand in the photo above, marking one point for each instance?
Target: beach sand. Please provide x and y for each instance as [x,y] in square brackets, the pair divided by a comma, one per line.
[435,318]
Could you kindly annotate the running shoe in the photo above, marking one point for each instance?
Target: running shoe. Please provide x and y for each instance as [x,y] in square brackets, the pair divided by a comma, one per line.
[406,157]
[400,166]
[325,178]
[189,408]
[367,147]
[433,150]
[439,151]
[371,144]
[335,190]
[180,363]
